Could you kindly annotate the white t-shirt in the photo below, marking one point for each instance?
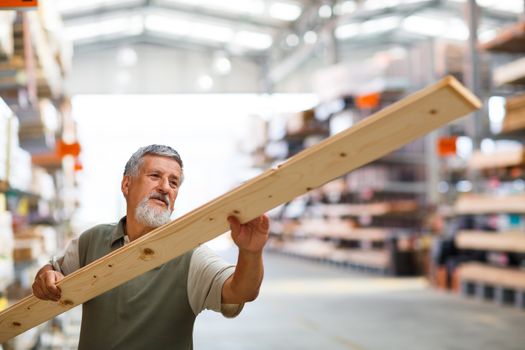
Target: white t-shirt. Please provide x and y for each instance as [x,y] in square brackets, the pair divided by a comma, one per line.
[206,276]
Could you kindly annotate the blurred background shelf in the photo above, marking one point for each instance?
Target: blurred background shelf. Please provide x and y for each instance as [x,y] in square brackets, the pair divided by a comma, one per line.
[491,241]
[515,114]
[508,158]
[510,39]
[510,73]
[487,204]
[492,275]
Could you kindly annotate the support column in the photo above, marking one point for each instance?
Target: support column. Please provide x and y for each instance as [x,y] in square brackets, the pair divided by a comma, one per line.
[472,79]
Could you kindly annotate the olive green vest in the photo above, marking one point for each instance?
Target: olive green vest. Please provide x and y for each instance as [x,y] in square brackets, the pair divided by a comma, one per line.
[151,311]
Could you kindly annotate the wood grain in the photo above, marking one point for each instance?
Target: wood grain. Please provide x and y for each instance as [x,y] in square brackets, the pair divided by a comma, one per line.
[368,140]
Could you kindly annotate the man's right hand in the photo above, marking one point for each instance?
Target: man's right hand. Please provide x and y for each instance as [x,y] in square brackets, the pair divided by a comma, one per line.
[45,287]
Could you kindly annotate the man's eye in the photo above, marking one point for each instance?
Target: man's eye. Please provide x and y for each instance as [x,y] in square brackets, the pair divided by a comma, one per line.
[155,176]
[173,184]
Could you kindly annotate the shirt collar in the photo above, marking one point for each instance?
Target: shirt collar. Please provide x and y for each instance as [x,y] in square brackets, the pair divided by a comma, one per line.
[119,231]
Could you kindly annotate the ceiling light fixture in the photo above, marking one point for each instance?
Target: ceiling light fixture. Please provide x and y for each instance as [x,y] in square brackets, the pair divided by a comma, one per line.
[253,40]
[205,82]
[221,64]
[310,37]
[292,40]
[285,11]
[347,31]
[325,11]
[130,25]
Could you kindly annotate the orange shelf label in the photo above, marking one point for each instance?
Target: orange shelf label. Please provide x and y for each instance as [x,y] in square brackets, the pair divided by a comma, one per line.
[447,146]
[64,149]
[8,4]
[368,101]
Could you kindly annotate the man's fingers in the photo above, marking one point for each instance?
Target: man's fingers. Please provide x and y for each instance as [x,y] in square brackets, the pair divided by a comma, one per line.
[45,287]
[37,291]
[264,223]
[51,288]
[235,224]
[44,293]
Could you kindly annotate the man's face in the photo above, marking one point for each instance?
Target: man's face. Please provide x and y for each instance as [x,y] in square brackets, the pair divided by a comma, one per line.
[156,185]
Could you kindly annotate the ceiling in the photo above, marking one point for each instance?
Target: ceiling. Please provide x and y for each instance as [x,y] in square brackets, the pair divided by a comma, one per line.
[260,27]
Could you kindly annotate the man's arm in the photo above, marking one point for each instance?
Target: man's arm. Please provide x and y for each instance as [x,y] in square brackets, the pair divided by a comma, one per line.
[245,282]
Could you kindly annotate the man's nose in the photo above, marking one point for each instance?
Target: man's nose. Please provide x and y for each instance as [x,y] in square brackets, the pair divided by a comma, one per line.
[164,185]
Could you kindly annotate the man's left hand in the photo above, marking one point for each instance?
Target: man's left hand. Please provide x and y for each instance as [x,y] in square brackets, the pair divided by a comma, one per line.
[251,236]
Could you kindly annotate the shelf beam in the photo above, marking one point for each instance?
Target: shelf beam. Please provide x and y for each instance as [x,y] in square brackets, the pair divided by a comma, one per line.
[499,159]
[494,241]
[490,204]
[496,276]
[377,135]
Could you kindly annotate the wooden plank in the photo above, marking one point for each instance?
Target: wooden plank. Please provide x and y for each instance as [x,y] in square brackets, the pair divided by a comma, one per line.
[498,159]
[372,209]
[379,259]
[515,102]
[379,134]
[515,116]
[496,276]
[513,241]
[489,204]
[510,39]
[514,121]
[510,73]
[341,229]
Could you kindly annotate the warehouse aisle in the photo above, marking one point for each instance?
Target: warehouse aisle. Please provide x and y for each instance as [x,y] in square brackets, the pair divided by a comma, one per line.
[307,305]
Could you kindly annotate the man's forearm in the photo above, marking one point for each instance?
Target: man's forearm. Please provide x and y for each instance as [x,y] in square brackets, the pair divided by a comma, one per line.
[245,282]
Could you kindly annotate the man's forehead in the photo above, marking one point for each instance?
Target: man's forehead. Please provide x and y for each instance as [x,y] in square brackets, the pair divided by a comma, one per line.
[150,162]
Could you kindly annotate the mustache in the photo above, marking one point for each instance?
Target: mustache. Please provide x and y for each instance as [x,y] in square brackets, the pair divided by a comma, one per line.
[160,196]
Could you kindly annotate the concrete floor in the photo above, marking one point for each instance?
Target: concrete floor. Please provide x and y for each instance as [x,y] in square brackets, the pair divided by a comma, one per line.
[308,305]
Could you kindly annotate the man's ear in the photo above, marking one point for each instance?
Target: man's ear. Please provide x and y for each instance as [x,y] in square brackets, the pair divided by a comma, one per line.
[124,186]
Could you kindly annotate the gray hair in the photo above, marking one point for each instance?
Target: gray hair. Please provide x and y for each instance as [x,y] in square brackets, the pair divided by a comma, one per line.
[133,165]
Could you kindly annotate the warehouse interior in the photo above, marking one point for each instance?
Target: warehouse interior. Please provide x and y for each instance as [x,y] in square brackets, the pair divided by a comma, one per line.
[422,248]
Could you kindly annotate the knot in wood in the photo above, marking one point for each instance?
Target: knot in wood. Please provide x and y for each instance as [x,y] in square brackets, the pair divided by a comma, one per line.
[67,302]
[147,254]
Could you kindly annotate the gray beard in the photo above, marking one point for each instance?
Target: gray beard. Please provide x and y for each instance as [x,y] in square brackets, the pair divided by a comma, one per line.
[151,216]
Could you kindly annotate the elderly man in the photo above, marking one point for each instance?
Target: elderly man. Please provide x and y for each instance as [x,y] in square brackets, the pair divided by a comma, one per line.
[157,310]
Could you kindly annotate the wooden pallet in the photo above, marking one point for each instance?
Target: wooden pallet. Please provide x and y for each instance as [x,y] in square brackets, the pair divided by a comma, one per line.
[374,137]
